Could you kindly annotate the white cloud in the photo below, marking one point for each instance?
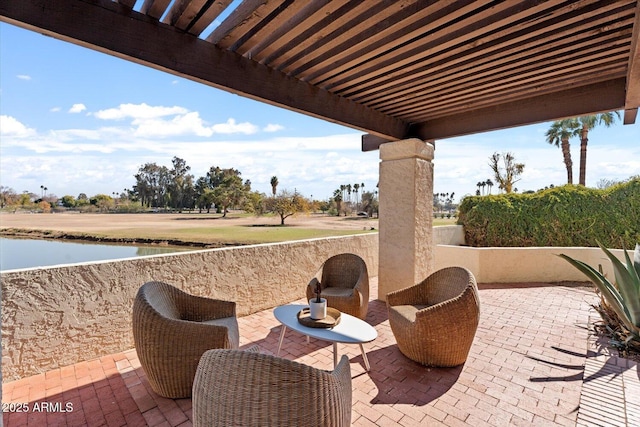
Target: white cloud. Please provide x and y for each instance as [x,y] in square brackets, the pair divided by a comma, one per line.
[230,127]
[184,124]
[9,126]
[163,122]
[55,109]
[272,128]
[138,111]
[77,108]
[23,77]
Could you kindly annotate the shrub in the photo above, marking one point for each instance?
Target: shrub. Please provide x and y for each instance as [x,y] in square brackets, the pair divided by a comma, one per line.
[560,216]
[622,296]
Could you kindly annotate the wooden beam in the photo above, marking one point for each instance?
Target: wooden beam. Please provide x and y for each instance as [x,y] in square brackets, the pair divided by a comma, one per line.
[578,101]
[114,29]
[373,142]
[632,100]
[128,3]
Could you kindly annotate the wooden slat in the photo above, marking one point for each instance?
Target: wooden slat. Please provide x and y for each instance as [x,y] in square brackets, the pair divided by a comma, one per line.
[318,30]
[398,34]
[585,77]
[400,59]
[578,101]
[100,25]
[268,27]
[510,57]
[349,26]
[313,13]
[556,72]
[155,8]
[177,9]
[206,17]
[243,16]
[442,82]
[396,16]
[256,24]
[533,87]
[183,12]
[280,31]
[463,51]
[470,87]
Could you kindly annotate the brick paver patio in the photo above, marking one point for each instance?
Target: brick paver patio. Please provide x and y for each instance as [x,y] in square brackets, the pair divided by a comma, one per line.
[526,367]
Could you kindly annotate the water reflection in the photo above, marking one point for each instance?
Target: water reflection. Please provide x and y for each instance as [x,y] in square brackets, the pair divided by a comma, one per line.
[29,253]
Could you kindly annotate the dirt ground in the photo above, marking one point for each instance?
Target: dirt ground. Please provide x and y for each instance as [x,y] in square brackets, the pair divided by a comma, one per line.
[90,223]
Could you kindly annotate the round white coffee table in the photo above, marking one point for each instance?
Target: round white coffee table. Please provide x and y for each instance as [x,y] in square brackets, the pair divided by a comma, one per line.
[350,330]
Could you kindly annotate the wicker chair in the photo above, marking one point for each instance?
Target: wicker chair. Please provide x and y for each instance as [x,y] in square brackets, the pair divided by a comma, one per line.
[434,322]
[171,331]
[345,284]
[242,388]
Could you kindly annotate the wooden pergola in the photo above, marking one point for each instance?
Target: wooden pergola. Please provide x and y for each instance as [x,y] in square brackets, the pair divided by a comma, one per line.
[394,69]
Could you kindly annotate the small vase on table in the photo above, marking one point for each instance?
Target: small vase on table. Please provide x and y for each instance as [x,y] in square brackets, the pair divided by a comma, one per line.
[317,305]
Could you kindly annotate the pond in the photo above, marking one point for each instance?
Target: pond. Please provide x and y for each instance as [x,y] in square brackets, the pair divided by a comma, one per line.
[30,253]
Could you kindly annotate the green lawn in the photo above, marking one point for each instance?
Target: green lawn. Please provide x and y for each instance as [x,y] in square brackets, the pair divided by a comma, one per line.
[231,234]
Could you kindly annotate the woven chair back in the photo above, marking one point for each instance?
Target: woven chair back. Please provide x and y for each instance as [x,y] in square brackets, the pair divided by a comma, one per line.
[342,271]
[162,298]
[446,284]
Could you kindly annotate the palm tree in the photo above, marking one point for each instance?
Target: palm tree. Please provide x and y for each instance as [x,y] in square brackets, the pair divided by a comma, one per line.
[558,135]
[274,185]
[356,187]
[586,124]
[489,184]
[337,197]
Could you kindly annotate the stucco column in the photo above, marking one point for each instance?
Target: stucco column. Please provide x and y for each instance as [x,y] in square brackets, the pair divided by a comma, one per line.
[406,212]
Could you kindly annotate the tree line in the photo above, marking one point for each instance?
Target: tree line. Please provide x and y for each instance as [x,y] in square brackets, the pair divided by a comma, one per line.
[350,198]
[175,188]
[159,187]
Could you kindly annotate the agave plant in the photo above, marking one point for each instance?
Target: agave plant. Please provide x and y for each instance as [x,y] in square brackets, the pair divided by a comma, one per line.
[623,296]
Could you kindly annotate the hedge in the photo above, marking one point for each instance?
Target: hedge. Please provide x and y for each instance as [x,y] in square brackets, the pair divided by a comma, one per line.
[562,216]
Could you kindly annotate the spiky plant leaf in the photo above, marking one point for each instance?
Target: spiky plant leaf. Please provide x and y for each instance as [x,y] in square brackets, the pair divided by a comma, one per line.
[608,290]
[636,259]
[628,283]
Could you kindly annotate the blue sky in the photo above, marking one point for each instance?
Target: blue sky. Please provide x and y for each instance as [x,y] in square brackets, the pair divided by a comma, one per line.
[76,120]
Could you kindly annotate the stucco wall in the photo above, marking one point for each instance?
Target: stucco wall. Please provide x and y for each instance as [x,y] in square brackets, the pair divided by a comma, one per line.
[58,316]
[448,235]
[517,265]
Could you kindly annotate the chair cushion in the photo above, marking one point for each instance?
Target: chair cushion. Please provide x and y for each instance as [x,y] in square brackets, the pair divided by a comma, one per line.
[337,292]
[408,311]
[231,324]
